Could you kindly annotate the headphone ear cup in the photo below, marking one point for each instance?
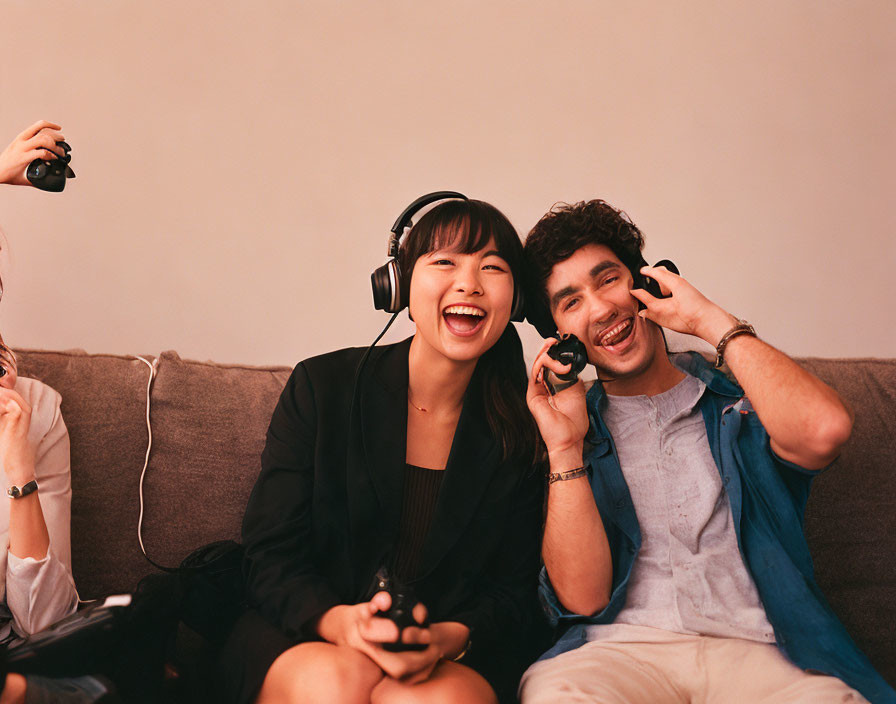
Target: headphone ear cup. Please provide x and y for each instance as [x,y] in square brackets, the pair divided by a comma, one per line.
[388,293]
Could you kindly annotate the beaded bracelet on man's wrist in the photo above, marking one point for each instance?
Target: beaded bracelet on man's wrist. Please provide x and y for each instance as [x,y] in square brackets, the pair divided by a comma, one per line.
[742,328]
[567,475]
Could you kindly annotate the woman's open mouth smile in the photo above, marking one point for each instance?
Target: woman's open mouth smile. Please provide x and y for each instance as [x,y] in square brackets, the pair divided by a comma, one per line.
[464,320]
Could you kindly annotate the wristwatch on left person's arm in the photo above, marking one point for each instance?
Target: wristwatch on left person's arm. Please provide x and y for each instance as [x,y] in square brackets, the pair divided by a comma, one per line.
[17,492]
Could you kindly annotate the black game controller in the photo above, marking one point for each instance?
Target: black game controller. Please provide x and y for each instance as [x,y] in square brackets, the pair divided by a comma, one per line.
[570,350]
[400,613]
[51,175]
[651,285]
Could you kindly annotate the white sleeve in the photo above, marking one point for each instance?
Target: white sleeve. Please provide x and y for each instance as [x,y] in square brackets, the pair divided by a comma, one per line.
[40,592]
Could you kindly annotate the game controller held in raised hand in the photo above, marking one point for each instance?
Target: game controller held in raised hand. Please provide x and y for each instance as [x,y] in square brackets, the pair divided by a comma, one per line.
[650,285]
[569,350]
[400,612]
[51,175]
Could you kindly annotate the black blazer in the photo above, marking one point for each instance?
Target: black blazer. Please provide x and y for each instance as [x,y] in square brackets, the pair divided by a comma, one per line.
[325,511]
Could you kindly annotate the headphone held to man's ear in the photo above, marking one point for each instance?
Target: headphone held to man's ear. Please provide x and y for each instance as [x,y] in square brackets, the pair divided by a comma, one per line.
[390,291]
[651,285]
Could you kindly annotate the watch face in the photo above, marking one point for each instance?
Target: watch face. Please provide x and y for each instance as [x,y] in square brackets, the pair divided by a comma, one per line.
[16,492]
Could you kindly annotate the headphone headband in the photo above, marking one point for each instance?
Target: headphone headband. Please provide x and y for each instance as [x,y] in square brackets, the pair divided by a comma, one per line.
[420,203]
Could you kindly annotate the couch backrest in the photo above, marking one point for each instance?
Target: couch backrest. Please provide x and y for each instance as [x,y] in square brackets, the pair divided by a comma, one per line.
[209,422]
[851,516]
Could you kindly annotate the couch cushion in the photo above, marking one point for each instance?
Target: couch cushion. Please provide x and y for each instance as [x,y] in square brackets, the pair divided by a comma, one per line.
[209,423]
[104,406]
[850,516]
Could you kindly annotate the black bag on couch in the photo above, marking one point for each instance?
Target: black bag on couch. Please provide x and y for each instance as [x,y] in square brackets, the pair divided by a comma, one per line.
[214,594]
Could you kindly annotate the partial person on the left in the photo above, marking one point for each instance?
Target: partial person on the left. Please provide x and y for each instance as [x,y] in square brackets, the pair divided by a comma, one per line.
[36,584]
[37,142]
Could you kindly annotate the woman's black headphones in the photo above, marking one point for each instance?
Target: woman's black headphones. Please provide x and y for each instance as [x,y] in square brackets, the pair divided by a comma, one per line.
[390,291]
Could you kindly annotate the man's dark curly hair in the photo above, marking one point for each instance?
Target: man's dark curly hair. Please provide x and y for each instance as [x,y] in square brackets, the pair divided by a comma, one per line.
[560,233]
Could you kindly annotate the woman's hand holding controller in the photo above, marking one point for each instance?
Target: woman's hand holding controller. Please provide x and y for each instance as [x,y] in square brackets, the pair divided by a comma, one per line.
[362,627]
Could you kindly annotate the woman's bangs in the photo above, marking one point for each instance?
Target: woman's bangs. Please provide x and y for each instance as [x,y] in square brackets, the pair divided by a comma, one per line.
[464,233]
[464,227]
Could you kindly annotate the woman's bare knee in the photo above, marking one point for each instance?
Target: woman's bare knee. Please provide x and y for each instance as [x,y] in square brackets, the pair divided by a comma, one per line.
[450,683]
[13,690]
[320,672]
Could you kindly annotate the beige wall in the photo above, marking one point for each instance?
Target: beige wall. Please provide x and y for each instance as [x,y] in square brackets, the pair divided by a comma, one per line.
[239,164]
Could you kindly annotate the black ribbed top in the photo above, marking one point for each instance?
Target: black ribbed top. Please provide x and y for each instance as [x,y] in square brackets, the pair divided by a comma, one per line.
[421,491]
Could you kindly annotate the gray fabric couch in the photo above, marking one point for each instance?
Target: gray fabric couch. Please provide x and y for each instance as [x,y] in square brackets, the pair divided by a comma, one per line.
[209,422]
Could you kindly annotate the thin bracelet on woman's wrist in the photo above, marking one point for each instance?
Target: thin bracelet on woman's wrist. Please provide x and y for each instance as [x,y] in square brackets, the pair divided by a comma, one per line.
[463,651]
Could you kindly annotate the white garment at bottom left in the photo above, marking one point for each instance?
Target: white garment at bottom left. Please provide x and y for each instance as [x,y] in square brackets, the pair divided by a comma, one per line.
[37,593]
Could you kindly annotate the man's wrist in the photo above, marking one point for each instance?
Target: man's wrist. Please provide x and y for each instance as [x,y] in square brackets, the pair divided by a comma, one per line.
[565,459]
[716,325]
[569,475]
[741,329]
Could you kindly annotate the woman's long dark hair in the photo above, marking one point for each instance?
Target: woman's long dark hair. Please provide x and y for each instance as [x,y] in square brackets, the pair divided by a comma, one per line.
[467,226]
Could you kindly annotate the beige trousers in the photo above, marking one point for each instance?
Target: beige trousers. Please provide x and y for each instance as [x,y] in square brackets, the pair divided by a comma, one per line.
[671,667]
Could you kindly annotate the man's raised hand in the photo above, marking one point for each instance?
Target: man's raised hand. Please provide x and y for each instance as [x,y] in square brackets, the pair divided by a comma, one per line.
[686,310]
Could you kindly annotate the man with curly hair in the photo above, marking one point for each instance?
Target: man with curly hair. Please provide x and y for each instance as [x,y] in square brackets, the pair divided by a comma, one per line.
[675,564]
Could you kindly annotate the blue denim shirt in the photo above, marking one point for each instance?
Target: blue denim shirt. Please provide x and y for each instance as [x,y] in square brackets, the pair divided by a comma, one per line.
[768,497]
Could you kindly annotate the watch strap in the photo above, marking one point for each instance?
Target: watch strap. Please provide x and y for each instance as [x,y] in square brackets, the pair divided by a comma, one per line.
[17,492]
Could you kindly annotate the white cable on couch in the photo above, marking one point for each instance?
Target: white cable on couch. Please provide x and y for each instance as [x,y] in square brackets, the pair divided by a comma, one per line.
[152,374]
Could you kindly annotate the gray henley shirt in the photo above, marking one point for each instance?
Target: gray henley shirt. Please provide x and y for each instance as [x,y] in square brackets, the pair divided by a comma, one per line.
[689,576]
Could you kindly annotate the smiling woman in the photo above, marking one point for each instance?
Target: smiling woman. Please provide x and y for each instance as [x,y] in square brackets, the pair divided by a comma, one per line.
[419,462]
